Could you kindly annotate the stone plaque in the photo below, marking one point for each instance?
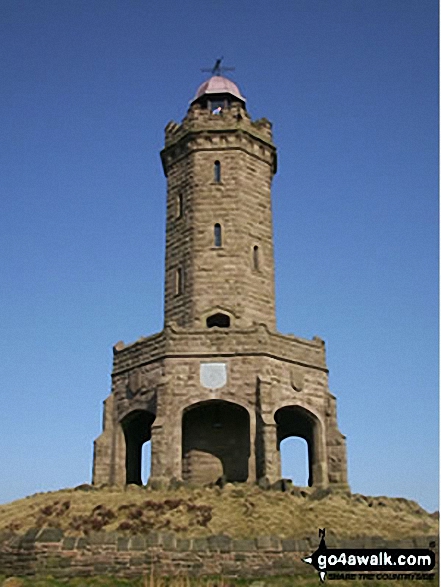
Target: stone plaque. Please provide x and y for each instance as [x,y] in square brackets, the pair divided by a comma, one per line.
[213,375]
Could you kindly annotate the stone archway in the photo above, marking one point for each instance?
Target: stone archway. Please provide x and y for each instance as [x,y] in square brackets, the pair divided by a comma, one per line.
[300,422]
[215,442]
[137,428]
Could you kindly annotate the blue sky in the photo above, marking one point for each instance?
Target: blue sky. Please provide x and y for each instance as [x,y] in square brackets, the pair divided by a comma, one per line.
[86,90]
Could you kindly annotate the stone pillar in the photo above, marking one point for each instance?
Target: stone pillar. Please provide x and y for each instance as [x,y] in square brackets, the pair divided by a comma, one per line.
[272,466]
[119,457]
[252,478]
[319,463]
[103,447]
[337,464]
[175,449]
[158,458]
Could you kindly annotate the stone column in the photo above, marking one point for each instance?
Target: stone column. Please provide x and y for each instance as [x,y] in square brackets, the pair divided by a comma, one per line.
[252,458]
[272,466]
[103,447]
[158,458]
[119,457]
[319,463]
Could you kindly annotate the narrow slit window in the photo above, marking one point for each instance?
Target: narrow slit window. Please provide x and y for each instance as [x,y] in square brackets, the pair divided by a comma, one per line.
[179,205]
[179,284]
[217,235]
[217,171]
[256,257]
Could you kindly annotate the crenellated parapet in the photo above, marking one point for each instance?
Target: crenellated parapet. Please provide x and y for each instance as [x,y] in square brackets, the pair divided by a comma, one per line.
[231,129]
[183,342]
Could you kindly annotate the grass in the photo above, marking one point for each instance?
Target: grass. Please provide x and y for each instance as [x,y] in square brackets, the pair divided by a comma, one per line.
[237,511]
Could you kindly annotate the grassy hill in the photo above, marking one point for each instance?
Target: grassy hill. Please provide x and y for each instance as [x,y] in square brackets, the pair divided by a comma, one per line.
[238,511]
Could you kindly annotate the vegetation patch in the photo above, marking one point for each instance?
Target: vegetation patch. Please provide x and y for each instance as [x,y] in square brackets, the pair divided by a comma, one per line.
[243,511]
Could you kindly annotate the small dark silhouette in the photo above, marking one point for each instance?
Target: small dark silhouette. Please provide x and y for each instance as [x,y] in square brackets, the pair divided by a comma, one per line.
[218,69]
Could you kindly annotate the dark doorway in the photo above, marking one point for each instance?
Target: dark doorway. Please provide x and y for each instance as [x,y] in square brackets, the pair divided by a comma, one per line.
[215,442]
[137,428]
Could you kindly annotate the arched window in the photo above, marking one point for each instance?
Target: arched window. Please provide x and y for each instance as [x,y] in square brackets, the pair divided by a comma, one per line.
[217,235]
[179,282]
[179,205]
[217,171]
[256,258]
[220,320]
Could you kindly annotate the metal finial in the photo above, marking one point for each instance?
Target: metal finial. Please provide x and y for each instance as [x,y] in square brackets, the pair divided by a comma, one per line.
[218,69]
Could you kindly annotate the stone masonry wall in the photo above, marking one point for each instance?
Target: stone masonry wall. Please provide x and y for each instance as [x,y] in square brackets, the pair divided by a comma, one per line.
[49,552]
[221,277]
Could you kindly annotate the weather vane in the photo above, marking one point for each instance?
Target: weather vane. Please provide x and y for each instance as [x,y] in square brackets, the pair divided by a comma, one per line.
[218,69]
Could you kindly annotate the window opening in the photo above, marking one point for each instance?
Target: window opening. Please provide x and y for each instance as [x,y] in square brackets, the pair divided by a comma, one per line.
[179,206]
[179,286]
[256,257]
[217,106]
[217,235]
[219,320]
[217,171]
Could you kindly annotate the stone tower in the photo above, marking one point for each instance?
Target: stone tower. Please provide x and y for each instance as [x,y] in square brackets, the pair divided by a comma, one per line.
[219,388]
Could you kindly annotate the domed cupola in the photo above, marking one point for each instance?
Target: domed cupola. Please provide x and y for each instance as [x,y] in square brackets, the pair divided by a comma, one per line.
[218,93]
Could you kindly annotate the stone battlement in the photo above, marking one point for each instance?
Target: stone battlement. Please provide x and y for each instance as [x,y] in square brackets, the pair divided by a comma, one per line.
[185,342]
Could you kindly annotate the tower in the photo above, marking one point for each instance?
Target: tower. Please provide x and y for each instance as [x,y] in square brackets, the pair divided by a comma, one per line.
[219,388]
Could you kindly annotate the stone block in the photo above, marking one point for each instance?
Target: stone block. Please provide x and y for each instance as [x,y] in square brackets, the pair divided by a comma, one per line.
[153,539]
[97,538]
[31,535]
[69,543]
[290,545]
[200,544]
[219,543]
[110,538]
[50,535]
[268,543]
[122,544]
[183,544]
[168,541]
[137,543]
[245,545]
[82,543]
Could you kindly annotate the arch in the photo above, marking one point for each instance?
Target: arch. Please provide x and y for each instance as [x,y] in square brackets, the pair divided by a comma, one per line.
[217,235]
[295,420]
[137,428]
[215,442]
[217,172]
[219,319]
